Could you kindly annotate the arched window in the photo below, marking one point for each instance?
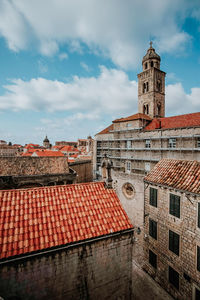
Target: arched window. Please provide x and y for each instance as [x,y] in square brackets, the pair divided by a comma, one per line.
[151,64]
[158,109]
[147,86]
[145,66]
[146,109]
[144,87]
[158,85]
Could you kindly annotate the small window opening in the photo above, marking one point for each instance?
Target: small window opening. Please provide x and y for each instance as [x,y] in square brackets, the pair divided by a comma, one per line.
[151,64]
[145,66]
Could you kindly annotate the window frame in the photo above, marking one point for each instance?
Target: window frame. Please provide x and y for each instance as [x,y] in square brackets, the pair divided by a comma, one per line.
[173,210]
[152,200]
[172,142]
[173,272]
[153,229]
[198,215]
[128,166]
[198,142]
[153,259]
[173,241]
[147,143]
[198,258]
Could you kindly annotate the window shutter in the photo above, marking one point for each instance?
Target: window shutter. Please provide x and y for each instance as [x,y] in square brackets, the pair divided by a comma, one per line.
[198,258]
[153,197]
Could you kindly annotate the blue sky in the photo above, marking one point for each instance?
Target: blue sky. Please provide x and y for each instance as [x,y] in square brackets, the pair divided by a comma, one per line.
[68,68]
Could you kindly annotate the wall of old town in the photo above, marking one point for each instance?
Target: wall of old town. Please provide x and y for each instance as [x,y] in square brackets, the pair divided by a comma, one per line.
[186,227]
[33,165]
[83,169]
[97,270]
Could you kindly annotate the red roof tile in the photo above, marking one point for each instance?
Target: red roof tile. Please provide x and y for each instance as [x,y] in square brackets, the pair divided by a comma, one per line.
[106,130]
[133,117]
[188,120]
[40,218]
[178,174]
[48,153]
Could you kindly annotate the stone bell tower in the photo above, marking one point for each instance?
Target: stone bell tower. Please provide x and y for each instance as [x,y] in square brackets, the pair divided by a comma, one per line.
[151,86]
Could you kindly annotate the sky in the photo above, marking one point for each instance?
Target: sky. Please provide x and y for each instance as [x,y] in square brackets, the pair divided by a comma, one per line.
[69,67]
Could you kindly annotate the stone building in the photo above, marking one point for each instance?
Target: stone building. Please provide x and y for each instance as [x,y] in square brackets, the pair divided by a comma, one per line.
[83,169]
[65,242]
[29,171]
[172,227]
[138,142]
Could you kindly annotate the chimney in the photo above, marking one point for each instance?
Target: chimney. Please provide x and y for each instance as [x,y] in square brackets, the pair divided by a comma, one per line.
[106,167]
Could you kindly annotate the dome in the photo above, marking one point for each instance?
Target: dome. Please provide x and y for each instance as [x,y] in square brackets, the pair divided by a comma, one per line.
[151,54]
[46,140]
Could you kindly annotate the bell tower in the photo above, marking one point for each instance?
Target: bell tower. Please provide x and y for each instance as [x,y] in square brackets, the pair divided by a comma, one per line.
[151,86]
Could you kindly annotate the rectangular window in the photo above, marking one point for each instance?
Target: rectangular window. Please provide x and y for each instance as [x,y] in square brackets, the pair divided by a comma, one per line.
[128,144]
[174,242]
[198,258]
[153,259]
[174,205]
[172,143]
[198,143]
[128,166]
[153,197]
[98,144]
[147,143]
[153,229]
[198,215]
[174,277]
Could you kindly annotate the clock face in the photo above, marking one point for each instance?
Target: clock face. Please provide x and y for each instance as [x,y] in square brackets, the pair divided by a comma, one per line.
[128,190]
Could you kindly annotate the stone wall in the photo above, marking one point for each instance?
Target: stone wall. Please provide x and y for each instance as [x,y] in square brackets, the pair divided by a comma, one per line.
[186,227]
[83,170]
[97,270]
[32,165]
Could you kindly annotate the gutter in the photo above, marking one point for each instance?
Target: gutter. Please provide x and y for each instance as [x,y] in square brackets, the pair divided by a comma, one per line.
[59,248]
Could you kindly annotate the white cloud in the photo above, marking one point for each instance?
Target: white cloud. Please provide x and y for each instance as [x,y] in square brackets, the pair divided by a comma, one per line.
[63,56]
[110,94]
[109,28]
[85,66]
[179,102]
[111,91]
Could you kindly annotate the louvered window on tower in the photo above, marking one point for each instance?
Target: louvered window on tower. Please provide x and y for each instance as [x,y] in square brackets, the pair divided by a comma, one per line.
[153,196]
[174,205]
[174,242]
[153,229]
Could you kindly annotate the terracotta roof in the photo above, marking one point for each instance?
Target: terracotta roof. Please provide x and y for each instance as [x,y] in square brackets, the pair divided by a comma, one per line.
[178,174]
[69,148]
[188,120]
[133,117]
[40,218]
[106,130]
[47,153]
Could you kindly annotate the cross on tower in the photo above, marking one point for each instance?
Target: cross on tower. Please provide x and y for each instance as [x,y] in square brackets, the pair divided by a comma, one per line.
[151,44]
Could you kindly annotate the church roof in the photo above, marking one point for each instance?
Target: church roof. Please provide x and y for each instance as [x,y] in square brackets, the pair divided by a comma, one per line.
[151,54]
[178,174]
[46,140]
[187,120]
[133,117]
[40,218]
